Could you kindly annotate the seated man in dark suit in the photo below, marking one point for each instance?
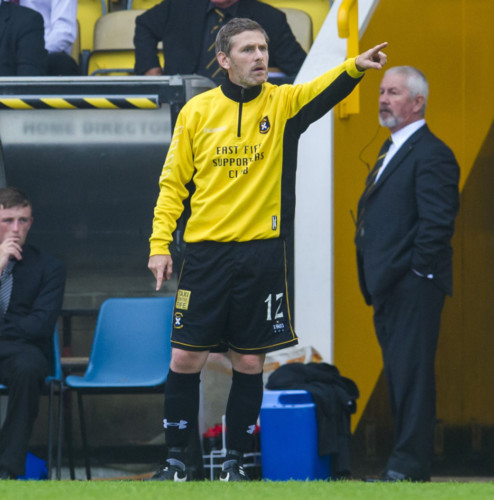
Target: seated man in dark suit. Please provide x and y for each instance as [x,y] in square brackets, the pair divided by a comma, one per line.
[60,23]
[31,294]
[188,30]
[22,45]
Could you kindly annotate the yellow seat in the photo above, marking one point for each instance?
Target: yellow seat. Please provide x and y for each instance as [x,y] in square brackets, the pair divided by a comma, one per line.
[114,52]
[142,4]
[316,9]
[111,63]
[75,52]
[301,26]
[88,12]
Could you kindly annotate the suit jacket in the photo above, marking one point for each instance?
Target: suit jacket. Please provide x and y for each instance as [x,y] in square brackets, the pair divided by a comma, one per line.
[408,217]
[179,24]
[22,42]
[36,300]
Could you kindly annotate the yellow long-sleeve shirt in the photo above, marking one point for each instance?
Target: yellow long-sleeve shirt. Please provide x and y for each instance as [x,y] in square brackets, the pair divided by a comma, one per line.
[239,147]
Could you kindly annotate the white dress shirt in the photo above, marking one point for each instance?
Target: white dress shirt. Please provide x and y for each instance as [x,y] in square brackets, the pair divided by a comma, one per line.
[398,139]
[60,18]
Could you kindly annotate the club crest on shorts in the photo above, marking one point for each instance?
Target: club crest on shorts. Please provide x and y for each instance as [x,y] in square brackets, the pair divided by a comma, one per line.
[183,298]
[264,125]
[178,321]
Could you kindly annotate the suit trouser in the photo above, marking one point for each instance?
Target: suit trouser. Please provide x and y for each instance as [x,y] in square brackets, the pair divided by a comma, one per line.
[23,368]
[407,324]
[61,64]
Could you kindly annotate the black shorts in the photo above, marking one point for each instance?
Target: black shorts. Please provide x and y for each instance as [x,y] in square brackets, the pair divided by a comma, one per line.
[233,295]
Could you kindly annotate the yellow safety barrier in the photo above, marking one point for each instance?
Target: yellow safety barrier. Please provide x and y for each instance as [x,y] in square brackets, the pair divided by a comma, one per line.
[79,102]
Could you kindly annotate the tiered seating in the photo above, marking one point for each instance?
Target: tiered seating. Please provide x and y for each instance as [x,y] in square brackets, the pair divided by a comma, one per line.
[301,25]
[316,9]
[142,4]
[88,12]
[108,37]
[113,51]
[75,53]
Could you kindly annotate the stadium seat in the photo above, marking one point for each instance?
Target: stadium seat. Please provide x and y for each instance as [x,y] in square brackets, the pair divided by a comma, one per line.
[88,12]
[301,26]
[53,382]
[316,9]
[130,353]
[142,4]
[299,20]
[75,52]
[114,52]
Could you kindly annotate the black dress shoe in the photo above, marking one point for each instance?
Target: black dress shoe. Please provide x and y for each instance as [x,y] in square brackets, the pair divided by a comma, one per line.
[391,476]
[5,474]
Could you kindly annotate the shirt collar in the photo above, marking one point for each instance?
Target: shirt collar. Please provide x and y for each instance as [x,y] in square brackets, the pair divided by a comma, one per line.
[239,94]
[400,136]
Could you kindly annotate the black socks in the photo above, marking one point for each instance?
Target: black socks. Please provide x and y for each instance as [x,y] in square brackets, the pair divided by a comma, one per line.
[181,407]
[242,410]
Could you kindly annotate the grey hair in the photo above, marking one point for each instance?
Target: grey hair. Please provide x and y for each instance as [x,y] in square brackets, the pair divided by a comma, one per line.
[416,81]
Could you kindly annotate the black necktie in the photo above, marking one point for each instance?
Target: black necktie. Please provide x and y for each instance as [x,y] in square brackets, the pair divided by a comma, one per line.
[212,66]
[371,178]
[6,282]
[369,184]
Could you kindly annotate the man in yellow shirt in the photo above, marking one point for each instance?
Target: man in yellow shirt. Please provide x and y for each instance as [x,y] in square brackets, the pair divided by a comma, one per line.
[238,145]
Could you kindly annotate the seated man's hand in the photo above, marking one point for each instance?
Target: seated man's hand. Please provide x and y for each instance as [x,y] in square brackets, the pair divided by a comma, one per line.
[9,248]
[154,72]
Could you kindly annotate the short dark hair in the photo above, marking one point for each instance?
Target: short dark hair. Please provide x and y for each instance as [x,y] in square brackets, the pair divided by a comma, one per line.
[234,27]
[11,197]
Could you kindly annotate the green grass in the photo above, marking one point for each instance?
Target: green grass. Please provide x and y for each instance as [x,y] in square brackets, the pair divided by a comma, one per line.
[296,490]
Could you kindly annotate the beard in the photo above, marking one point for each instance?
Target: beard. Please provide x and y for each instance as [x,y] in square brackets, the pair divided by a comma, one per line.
[390,122]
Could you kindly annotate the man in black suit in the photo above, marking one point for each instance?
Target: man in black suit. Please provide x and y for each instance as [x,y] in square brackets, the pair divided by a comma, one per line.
[31,294]
[22,43]
[188,30]
[404,227]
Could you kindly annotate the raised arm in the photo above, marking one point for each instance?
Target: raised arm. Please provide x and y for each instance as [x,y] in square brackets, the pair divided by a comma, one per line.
[372,59]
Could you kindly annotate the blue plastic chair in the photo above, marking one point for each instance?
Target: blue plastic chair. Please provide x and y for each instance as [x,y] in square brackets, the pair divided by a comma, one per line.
[53,384]
[130,353]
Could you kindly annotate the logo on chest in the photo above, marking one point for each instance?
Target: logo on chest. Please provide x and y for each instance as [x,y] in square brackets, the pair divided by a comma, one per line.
[264,125]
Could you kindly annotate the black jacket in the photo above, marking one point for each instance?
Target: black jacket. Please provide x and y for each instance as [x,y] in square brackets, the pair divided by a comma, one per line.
[179,24]
[335,400]
[22,42]
[36,300]
[408,217]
